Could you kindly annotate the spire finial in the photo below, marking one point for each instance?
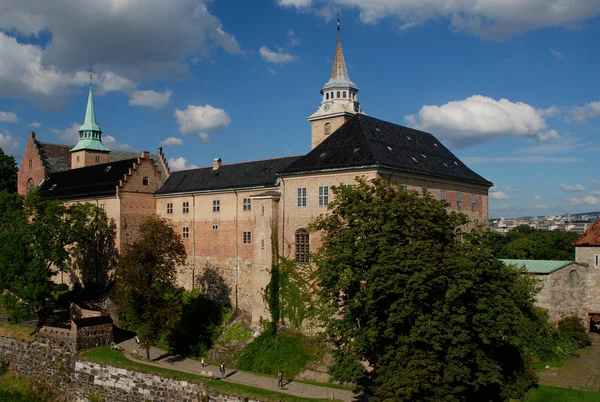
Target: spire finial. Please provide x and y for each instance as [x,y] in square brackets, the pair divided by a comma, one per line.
[338,24]
[91,71]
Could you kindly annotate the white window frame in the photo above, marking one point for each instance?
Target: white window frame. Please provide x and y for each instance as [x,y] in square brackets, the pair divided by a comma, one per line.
[473,203]
[216,205]
[169,207]
[185,232]
[247,237]
[323,196]
[459,200]
[185,207]
[302,197]
[247,204]
[443,195]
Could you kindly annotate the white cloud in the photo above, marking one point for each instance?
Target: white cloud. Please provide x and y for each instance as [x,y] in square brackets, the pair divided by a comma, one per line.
[149,98]
[489,19]
[111,143]
[35,124]
[590,200]
[278,56]
[499,195]
[9,144]
[519,159]
[480,118]
[201,118]
[8,117]
[595,182]
[543,206]
[293,40]
[204,137]
[580,114]
[537,197]
[172,141]
[121,51]
[557,54]
[180,164]
[69,135]
[595,192]
[571,188]
[513,190]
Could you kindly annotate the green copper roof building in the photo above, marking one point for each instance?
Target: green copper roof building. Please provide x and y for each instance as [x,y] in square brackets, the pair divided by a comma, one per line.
[90,134]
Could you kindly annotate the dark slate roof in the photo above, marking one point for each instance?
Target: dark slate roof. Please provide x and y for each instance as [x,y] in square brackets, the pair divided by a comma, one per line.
[58,158]
[238,175]
[92,321]
[364,141]
[90,181]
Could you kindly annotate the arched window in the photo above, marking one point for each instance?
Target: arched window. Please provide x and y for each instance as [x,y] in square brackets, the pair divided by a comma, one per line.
[327,95]
[145,181]
[302,246]
[331,96]
[338,94]
[344,94]
[573,278]
[30,185]
[327,128]
[458,234]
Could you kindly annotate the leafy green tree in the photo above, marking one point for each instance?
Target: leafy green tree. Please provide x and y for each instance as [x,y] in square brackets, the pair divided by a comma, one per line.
[8,172]
[37,237]
[146,281]
[416,315]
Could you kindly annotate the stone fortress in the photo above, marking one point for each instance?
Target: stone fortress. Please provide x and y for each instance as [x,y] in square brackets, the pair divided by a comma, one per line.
[227,213]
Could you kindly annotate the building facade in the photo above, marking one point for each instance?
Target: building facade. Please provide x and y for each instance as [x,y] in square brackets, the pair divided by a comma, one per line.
[230,216]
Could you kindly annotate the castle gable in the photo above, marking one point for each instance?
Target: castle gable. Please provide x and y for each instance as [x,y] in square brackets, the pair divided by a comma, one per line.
[364,141]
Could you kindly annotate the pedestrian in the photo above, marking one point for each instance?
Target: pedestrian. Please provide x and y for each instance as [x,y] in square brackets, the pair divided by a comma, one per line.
[222,370]
[202,362]
[280,381]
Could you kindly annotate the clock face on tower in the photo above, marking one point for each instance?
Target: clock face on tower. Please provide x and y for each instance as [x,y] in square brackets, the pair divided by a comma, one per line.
[327,107]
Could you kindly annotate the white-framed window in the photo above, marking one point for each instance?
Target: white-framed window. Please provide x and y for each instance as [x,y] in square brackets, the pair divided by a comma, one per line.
[215,227]
[323,196]
[473,203]
[216,205]
[443,195]
[247,204]
[459,201]
[185,232]
[185,207]
[302,196]
[247,237]
[327,128]
[103,207]
[97,158]
[169,207]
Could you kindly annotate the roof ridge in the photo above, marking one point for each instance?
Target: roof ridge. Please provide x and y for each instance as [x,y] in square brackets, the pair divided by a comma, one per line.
[238,163]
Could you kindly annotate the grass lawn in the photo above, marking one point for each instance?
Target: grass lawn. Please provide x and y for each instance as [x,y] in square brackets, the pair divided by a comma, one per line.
[105,355]
[553,394]
[16,331]
[18,389]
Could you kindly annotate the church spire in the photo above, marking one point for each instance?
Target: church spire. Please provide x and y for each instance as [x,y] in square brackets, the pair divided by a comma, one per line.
[339,72]
[90,134]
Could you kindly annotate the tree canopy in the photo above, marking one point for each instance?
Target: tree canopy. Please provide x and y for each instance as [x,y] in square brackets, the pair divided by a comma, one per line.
[8,172]
[146,281]
[38,239]
[414,313]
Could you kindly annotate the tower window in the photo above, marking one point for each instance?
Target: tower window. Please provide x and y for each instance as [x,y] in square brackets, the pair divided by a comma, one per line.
[145,181]
[302,245]
[331,94]
[77,158]
[327,95]
[338,94]
[327,128]
[97,158]
[344,94]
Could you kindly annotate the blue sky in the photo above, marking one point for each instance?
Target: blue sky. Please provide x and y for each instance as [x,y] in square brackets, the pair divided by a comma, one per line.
[511,89]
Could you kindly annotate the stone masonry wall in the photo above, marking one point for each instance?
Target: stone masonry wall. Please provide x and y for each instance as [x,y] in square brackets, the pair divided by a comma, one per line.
[54,363]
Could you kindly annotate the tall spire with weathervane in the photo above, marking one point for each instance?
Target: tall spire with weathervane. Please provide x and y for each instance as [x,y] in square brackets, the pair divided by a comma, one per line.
[338,98]
[89,150]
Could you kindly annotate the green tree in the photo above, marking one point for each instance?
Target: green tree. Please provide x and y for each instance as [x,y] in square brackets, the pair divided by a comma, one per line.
[145,278]
[8,172]
[416,315]
[37,237]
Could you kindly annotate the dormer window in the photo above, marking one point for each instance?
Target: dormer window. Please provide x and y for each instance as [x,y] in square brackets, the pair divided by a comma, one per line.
[53,187]
[327,128]
[107,169]
[145,181]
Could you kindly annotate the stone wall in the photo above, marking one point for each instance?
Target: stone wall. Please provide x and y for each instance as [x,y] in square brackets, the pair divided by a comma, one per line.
[563,292]
[54,363]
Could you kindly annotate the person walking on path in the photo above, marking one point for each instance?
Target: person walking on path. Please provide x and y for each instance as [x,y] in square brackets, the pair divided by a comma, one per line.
[280,381]
[222,370]
[202,362]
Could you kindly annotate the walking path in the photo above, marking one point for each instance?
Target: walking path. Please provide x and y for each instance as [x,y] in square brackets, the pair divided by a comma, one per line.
[161,358]
[581,372]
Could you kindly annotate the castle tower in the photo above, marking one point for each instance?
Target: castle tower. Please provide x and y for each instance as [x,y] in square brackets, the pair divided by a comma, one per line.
[338,99]
[89,150]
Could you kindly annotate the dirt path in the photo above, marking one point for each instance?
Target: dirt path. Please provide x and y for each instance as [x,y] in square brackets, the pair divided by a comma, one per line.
[162,359]
[581,372]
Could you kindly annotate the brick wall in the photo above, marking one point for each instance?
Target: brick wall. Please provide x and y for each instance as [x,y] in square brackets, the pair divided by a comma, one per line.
[32,166]
[86,157]
[318,128]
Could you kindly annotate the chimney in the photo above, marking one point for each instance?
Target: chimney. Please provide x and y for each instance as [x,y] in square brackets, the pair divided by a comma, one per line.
[32,135]
[217,162]
[145,155]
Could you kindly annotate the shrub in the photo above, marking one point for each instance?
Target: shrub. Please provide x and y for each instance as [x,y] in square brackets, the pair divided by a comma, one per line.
[235,332]
[572,328]
[288,352]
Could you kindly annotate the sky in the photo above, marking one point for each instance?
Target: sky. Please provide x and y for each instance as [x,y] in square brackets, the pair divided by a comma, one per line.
[511,88]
